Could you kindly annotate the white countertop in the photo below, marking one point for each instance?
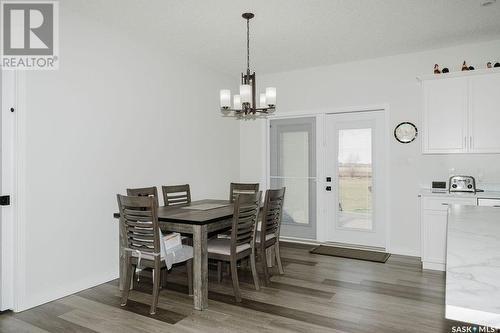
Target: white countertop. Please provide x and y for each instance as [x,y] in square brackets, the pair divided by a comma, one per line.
[473,265]
[485,194]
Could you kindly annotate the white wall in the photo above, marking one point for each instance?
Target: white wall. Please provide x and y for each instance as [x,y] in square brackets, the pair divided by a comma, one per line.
[118,113]
[391,81]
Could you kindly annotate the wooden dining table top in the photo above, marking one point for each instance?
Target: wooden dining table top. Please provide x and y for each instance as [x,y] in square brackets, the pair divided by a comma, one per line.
[182,214]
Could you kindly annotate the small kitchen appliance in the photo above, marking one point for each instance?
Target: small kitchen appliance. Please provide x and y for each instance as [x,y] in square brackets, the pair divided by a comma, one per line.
[439,187]
[462,184]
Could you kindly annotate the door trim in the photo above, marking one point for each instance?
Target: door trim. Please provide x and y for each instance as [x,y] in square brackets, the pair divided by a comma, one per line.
[321,222]
[16,246]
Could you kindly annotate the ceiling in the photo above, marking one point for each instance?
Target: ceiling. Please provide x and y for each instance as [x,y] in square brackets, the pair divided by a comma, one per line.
[292,34]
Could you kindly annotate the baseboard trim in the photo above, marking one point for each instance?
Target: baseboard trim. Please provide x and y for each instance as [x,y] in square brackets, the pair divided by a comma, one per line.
[433,266]
[299,240]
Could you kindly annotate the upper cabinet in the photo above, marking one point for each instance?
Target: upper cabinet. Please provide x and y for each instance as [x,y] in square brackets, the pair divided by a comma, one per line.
[484,114]
[461,113]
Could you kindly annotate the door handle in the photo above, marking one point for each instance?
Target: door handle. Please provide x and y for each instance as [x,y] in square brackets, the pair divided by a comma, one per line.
[328,188]
[5,200]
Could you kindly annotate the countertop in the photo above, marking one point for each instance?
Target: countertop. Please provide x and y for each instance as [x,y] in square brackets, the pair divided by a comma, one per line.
[485,194]
[473,265]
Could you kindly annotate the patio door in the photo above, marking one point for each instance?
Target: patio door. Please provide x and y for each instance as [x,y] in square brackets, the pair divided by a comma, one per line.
[355,178]
[293,165]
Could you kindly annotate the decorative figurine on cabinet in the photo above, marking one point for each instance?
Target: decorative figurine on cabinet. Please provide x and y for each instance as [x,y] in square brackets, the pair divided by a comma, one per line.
[436,69]
[471,68]
[488,65]
[445,70]
[465,67]
[497,64]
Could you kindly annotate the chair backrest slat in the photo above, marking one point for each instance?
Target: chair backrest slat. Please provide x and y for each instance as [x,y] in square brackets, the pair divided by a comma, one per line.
[139,215]
[176,195]
[242,188]
[144,192]
[272,214]
[246,212]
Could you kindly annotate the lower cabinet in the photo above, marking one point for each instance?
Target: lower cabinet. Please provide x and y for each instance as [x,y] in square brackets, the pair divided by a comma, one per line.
[434,220]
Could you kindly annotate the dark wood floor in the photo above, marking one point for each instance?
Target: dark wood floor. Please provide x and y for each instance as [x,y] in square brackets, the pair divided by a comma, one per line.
[316,294]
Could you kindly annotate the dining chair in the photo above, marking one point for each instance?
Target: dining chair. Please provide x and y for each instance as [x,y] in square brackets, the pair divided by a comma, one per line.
[144,244]
[242,188]
[267,238]
[176,195]
[144,192]
[241,244]
[235,189]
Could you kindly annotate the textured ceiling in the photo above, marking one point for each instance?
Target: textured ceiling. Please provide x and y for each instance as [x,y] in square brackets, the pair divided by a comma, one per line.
[292,34]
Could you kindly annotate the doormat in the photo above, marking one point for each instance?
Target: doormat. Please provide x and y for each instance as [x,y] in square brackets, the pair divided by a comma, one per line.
[351,253]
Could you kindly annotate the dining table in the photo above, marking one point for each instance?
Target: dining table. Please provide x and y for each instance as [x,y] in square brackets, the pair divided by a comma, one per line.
[197,219]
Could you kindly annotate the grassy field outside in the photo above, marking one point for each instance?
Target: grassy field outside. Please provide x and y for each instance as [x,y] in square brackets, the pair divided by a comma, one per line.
[355,194]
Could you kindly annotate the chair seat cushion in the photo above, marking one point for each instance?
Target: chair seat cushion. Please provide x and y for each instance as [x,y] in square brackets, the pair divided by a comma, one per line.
[223,246]
[268,237]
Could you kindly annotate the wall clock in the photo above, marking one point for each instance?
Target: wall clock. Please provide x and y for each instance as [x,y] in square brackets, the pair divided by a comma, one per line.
[405,132]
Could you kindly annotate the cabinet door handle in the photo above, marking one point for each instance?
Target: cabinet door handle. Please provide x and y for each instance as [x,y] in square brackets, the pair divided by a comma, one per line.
[445,204]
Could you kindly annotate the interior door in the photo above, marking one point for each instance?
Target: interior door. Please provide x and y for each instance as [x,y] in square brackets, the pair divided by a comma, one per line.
[355,178]
[293,165]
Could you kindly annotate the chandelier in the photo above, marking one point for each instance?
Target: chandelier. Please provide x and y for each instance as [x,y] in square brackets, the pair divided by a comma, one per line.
[245,103]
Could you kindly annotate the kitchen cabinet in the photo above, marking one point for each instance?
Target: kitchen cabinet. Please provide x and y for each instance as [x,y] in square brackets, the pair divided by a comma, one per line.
[484,110]
[461,113]
[434,220]
[445,116]
[488,202]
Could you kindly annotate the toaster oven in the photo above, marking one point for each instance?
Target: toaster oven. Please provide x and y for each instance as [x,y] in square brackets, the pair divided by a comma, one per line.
[462,184]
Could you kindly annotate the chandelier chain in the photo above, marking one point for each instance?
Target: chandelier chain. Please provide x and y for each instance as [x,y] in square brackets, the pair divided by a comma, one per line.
[248,45]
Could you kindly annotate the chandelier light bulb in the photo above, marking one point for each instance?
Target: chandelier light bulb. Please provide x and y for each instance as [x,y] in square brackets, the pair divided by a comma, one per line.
[262,100]
[246,93]
[225,98]
[271,96]
[237,102]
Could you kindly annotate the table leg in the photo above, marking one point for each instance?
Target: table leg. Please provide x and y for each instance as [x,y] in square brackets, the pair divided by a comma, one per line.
[200,267]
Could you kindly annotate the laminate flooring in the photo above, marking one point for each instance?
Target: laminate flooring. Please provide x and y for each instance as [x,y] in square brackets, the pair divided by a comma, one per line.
[316,294]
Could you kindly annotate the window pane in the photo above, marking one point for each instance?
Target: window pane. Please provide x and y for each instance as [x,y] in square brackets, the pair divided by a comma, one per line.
[355,179]
[294,154]
[299,199]
[293,165]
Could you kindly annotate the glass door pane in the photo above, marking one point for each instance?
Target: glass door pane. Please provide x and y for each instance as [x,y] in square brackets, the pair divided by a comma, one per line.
[293,165]
[355,179]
